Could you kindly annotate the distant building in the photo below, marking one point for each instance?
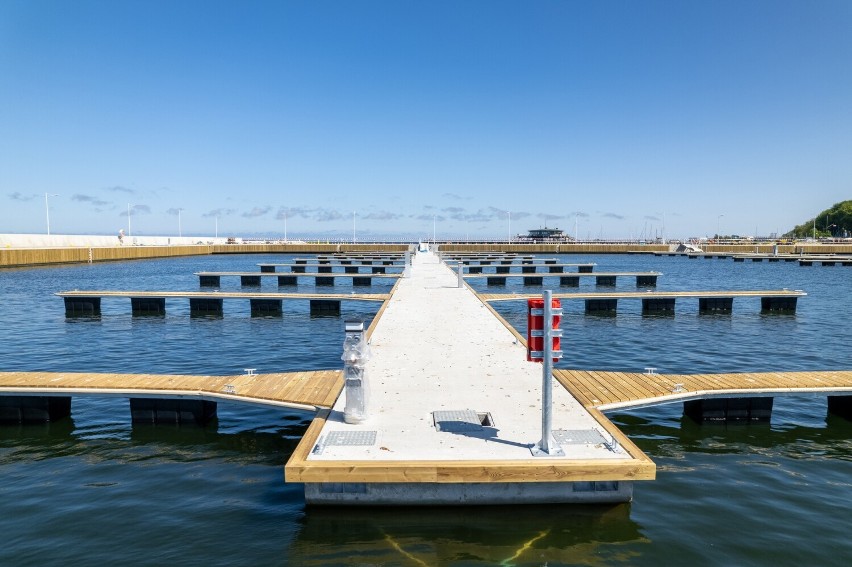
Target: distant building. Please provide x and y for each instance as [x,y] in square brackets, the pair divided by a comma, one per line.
[545,235]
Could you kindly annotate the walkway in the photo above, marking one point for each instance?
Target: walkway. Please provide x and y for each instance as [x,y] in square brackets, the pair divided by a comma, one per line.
[440,355]
[300,390]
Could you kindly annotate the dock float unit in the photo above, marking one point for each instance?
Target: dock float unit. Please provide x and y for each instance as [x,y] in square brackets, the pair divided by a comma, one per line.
[453,414]
[253,279]
[663,302]
[569,280]
[203,303]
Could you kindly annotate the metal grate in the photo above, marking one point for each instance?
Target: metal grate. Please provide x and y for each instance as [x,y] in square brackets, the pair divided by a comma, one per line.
[349,438]
[457,421]
[578,436]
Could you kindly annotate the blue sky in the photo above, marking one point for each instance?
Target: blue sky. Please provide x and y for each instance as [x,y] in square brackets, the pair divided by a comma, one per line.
[619,118]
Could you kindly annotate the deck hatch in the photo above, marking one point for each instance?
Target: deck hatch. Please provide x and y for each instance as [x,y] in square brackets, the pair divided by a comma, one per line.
[578,436]
[455,421]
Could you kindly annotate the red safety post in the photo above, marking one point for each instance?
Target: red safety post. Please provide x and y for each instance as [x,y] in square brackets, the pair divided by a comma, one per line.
[535,328]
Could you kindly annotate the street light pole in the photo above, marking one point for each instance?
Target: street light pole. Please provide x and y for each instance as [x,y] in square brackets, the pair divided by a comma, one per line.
[47,209]
[128,219]
[718,224]
[180,231]
[353,227]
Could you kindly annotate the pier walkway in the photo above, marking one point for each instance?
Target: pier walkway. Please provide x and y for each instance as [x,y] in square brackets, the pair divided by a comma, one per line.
[455,410]
[311,390]
[619,390]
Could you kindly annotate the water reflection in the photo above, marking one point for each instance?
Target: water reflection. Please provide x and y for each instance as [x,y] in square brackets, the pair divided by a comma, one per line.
[825,436]
[486,535]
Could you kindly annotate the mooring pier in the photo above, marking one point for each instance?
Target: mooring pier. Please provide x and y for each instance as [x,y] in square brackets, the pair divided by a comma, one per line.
[454,413]
[453,409]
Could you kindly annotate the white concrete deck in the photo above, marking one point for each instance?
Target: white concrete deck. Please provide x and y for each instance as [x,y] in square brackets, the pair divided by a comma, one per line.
[436,347]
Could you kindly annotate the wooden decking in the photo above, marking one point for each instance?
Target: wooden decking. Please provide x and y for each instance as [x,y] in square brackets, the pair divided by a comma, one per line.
[311,390]
[611,390]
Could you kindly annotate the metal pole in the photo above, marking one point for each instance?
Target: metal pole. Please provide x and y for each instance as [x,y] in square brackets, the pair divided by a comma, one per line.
[547,446]
[47,212]
[180,232]
[128,219]
[461,278]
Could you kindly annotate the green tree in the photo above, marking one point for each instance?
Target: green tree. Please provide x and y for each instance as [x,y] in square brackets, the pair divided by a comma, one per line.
[833,222]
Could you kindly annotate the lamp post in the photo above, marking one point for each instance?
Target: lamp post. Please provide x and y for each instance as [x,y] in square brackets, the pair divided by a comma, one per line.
[128,219]
[216,234]
[285,225]
[353,227]
[47,209]
[180,231]
[718,224]
[509,216]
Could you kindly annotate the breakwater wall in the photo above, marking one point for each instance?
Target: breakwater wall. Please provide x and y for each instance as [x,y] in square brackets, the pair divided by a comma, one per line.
[34,250]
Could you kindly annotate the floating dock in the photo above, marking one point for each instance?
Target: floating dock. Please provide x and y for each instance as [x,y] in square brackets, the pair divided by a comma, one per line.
[88,303]
[455,410]
[782,301]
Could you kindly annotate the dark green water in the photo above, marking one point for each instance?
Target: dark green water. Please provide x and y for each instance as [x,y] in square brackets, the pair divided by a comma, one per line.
[94,489]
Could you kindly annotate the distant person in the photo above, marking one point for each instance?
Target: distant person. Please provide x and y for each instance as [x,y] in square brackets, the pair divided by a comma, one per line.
[121,237]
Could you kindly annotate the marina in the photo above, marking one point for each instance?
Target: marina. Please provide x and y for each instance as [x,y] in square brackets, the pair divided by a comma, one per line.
[417,461]
[614,387]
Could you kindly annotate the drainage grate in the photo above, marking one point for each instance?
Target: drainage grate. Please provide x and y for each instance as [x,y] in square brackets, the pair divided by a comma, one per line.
[349,438]
[578,436]
[457,421]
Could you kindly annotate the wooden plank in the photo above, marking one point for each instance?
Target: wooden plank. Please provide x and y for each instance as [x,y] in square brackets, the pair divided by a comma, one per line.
[550,470]
[620,390]
[603,394]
